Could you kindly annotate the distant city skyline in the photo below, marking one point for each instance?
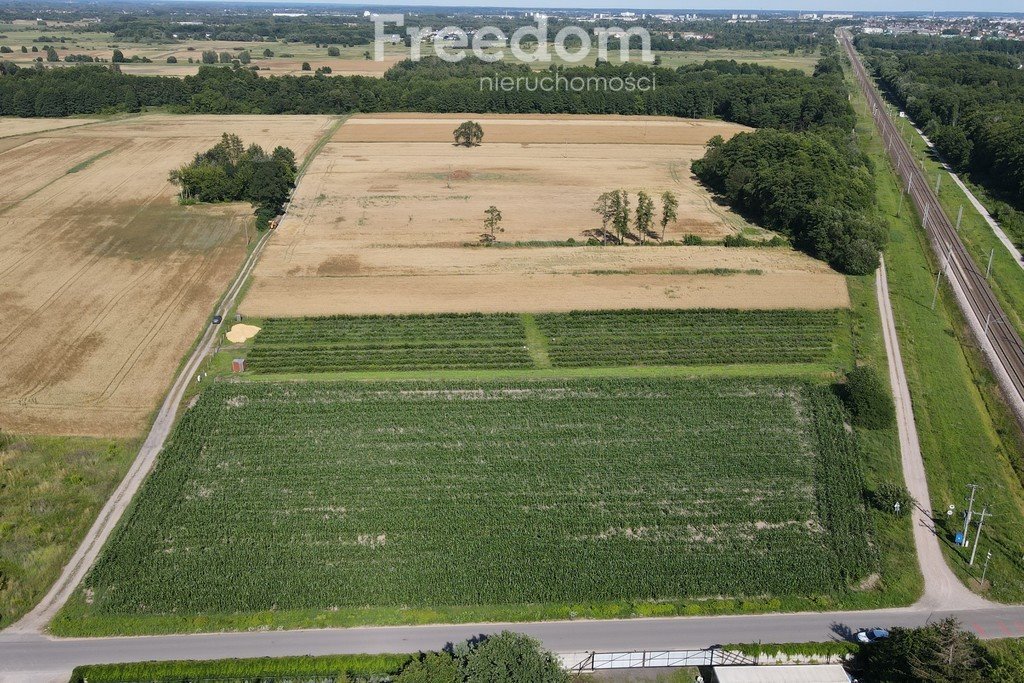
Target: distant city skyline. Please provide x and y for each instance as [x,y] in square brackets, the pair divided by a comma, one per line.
[922,6]
[986,6]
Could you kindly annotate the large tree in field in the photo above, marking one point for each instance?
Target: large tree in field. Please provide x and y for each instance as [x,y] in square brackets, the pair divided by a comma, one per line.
[469,134]
[644,219]
[620,219]
[492,225]
[605,208]
[669,211]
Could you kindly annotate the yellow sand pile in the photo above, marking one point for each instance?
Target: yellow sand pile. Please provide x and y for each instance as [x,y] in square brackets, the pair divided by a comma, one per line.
[241,332]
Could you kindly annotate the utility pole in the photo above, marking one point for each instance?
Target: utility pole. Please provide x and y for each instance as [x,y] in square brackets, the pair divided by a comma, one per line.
[977,536]
[938,278]
[988,271]
[959,217]
[927,212]
[938,180]
[899,209]
[984,571]
[970,510]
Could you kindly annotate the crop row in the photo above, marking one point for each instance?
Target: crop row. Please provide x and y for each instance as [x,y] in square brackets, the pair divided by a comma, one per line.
[410,342]
[578,339]
[319,495]
[692,337]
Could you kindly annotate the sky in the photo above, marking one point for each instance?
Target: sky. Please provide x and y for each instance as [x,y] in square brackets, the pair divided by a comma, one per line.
[1005,6]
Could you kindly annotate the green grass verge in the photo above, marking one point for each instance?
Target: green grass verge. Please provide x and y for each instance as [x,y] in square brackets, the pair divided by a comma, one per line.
[831,649]
[51,489]
[201,549]
[266,669]
[966,432]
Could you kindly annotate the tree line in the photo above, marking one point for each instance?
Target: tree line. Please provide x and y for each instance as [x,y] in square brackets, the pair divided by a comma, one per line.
[229,171]
[969,99]
[745,93]
[614,209]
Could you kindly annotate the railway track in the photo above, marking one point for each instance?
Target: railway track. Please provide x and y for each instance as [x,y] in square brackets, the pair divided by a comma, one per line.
[997,336]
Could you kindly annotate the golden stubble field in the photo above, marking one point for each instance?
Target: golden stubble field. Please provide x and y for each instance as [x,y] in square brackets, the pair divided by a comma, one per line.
[105,279]
[382,219]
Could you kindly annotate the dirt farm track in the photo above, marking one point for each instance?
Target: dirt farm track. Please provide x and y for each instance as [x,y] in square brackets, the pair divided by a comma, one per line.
[105,279]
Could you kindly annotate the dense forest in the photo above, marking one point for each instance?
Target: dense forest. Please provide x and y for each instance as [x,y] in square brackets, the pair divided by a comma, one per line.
[745,93]
[813,185]
[968,97]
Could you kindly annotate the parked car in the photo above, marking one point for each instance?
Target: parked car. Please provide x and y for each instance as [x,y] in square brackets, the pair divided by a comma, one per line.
[871,635]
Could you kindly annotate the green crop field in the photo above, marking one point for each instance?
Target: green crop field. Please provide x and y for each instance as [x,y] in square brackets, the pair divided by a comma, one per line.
[327,496]
[579,339]
[696,337]
[420,342]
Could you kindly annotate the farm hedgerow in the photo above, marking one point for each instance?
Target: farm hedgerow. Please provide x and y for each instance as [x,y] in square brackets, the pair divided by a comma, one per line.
[319,495]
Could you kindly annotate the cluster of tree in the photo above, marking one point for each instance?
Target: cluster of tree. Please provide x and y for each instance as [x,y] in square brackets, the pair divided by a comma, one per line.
[969,100]
[505,658]
[117,57]
[213,57]
[941,652]
[811,186]
[749,94]
[231,172]
[217,26]
[614,209]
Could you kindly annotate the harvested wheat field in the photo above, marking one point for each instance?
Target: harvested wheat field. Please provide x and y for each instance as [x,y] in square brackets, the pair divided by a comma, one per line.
[106,280]
[10,126]
[387,216]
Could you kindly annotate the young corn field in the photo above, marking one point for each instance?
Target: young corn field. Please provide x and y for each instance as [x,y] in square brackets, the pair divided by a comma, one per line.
[321,495]
[578,339]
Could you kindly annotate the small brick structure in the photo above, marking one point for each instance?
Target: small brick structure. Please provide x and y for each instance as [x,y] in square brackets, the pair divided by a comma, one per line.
[238,365]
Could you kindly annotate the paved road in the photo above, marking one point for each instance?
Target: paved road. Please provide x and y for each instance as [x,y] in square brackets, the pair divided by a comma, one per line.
[38,653]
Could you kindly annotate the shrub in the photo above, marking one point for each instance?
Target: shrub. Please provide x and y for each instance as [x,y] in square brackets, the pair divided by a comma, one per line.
[333,52]
[306,66]
[693,240]
[857,257]
[737,241]
[173,60]
[886,496]
[868,399]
